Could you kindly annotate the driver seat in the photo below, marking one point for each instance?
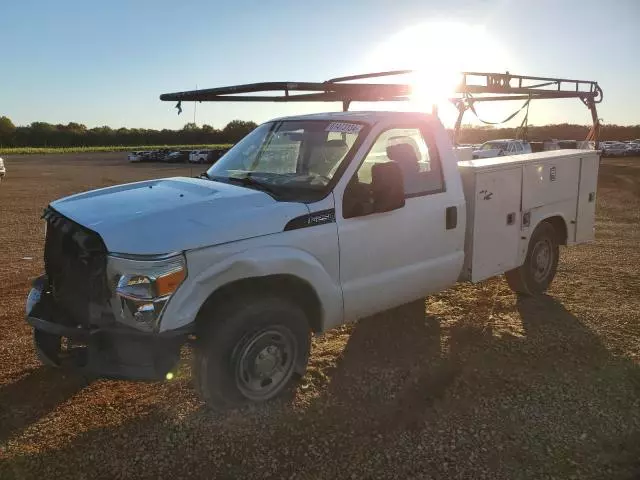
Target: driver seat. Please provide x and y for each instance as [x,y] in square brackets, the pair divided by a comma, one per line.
[405,156]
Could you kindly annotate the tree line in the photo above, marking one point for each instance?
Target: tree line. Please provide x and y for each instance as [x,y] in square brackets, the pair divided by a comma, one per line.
[42,134]
[562,131]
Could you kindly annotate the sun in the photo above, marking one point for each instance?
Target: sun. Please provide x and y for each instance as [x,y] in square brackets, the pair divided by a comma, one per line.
[438,51]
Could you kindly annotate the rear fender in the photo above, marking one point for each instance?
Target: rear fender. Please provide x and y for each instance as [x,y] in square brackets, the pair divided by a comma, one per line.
[537,216]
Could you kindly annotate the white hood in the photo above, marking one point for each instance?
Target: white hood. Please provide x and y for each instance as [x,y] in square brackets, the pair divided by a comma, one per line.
[176,214]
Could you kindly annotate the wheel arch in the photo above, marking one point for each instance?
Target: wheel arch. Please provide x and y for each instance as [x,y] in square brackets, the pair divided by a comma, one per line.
[556,219]
[523,279]
[559,224]
[291,272]
[290,287]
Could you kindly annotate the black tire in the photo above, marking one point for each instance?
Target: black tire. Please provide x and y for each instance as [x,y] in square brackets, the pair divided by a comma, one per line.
[249,350]
[539,269]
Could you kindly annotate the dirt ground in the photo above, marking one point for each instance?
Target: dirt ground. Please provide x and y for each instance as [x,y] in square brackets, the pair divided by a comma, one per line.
[474,383]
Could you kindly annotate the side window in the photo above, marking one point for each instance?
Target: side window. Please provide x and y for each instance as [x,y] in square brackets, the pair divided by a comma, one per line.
[417,158]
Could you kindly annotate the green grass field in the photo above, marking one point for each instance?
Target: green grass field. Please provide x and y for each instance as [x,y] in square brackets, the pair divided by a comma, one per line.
[117,148]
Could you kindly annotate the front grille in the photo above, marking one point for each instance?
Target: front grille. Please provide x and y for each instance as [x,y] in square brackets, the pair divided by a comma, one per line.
[75,262]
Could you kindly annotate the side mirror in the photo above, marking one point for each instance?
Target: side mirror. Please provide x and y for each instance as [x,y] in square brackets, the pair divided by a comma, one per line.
[387,187]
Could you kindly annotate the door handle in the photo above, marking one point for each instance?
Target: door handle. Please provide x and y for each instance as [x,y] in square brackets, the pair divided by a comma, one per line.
[451,217]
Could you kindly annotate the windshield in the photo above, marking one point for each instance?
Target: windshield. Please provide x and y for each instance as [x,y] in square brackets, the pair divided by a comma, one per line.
[296,158]
[494,146]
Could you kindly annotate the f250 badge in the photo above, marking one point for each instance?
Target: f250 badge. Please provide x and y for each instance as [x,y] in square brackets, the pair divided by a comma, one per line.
[552,174]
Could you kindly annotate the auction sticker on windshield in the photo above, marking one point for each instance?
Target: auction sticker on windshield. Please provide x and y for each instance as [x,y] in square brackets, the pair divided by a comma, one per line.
[343,127]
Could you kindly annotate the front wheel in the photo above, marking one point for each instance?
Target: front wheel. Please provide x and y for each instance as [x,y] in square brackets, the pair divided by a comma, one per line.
[539,269]
[250,350]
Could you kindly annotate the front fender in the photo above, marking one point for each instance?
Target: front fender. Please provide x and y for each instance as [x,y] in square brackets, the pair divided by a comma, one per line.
[184,306]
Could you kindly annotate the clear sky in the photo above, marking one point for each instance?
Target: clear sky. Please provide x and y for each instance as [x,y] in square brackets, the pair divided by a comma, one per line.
[106,63]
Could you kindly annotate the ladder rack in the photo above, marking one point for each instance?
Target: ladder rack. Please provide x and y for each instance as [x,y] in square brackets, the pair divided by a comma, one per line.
[473,87]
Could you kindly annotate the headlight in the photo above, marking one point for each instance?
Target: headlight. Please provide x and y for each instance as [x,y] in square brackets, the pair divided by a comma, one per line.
[143,287]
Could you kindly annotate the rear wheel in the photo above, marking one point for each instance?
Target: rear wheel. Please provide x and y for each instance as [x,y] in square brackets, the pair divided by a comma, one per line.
[539,269]
[250,350]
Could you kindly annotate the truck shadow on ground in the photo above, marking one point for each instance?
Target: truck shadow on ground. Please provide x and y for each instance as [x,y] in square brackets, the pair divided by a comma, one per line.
[37,393]
[402,373]
[393,360]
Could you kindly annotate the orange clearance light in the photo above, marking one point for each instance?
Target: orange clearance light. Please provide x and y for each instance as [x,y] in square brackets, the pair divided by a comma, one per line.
[168,283]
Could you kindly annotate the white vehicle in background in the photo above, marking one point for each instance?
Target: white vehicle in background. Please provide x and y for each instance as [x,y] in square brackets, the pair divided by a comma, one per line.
[3,170]
[498,148]
[135,156]
[633,148]
[200,156]
[614,149]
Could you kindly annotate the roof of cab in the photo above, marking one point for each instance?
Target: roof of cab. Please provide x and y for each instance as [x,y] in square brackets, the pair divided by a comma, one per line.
[370,118]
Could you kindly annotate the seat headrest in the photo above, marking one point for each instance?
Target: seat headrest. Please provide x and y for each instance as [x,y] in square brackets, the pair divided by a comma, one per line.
[402,152]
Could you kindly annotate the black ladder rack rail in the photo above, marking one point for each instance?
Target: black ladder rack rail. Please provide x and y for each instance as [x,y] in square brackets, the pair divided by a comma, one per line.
[474,87]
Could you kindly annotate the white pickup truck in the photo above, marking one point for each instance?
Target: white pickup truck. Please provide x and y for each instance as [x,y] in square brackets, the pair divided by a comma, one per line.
[308,222]
[498,148]
[199,156]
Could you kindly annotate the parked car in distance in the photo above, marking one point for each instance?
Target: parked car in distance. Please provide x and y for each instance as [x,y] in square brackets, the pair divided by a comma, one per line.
[158,155]
[613,149]
[200,156]
[178,156]
[498,148]
[146,156]
[556,144]
[3,170]
[135,156]
[633,149]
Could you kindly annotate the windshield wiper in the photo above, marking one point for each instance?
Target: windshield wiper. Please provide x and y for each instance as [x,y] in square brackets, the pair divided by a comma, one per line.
[205,175]
[250,182]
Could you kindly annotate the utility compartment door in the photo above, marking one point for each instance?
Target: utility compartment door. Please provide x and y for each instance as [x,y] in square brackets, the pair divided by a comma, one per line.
[585,218]
[496,223]
[550,181]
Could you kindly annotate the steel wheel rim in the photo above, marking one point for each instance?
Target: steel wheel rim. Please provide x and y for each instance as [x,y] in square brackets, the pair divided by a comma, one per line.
[264,362]
[542,259]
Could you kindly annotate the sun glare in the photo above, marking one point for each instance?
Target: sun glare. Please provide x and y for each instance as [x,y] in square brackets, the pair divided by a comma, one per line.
[438,51]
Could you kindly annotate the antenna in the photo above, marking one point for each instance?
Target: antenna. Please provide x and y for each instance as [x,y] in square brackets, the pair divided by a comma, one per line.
[195,105]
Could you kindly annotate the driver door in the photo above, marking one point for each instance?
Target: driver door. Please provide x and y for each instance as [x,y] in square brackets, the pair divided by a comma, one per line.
[391,258]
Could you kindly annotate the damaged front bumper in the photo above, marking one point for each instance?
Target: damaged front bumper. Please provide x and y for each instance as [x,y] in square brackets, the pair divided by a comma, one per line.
[112,351]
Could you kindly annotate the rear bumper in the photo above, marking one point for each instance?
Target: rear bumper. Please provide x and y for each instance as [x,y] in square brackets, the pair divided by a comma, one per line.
[112,351]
